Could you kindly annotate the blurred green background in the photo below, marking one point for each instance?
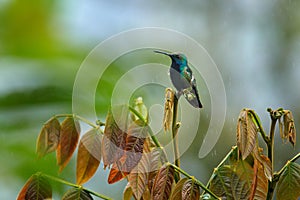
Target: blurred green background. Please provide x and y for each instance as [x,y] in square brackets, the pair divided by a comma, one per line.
[256,46]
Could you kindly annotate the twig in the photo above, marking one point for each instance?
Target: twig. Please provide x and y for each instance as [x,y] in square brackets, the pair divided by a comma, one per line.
[76,186]
[196,180]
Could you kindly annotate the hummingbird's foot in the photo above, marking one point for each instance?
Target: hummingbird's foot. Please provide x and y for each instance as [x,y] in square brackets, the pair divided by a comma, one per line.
[178,94]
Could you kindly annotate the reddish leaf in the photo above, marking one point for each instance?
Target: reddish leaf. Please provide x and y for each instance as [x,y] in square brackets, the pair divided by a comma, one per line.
[77,194]
[89,156]
[48,138]
[163,183]
[116,175]
[70,130]
[259,186]
[157,160]
[265,161]
[246,133]
[177,191]
[190,190]
[113,142]
[37,188]
[138,177]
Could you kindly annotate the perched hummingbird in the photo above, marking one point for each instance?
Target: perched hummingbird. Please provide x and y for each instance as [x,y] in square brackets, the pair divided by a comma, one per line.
[182,78]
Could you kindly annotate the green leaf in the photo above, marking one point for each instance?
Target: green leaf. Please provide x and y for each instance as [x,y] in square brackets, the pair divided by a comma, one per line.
[36,188]
[89,156]
[288,186]
[232,181]
[127,193]
[77,194]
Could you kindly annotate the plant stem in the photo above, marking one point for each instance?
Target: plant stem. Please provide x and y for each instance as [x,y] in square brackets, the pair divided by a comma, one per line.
[261,129]
[79,118]
[196,180]
[76,186]
[270,144]
[175,128]
[278,174]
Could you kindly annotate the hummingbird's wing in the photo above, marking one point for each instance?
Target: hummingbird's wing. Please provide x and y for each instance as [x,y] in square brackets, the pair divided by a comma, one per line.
[191,94]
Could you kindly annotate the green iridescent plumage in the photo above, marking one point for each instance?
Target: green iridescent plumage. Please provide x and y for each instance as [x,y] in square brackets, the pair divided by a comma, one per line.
[183,79]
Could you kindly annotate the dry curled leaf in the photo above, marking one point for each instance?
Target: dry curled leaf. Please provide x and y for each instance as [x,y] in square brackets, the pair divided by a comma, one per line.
[69,136]
[168,109]
[48,138]
[89,156]
[246,133]
[289,127]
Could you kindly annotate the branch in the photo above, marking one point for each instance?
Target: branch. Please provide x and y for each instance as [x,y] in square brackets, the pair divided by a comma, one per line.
[76,186]
[175,127]
[261,129]
[196,180]
[79,118]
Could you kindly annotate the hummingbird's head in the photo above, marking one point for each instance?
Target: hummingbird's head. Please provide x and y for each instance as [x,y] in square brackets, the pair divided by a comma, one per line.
[179,58]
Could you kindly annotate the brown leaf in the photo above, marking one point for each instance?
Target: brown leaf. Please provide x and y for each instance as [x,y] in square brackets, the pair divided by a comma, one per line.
[190,190]
[48,138]
[168,109]
[289,127]
[157,159]
[163,183]
[77,194]
[246,133]
[113,142]
[37,187]
[134,146]
[69,135]
[115,174]
[89,156]
[265,161]
[259,186]
[177,191]
[138,178]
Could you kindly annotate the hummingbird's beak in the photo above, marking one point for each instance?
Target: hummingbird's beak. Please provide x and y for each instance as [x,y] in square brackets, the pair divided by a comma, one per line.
[161,52]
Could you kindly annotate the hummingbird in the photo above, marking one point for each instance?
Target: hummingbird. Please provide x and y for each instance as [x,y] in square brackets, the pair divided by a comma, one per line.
[182,78]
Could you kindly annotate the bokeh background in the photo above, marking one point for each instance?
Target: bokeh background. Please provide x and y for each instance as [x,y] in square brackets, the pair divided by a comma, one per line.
[256,46]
